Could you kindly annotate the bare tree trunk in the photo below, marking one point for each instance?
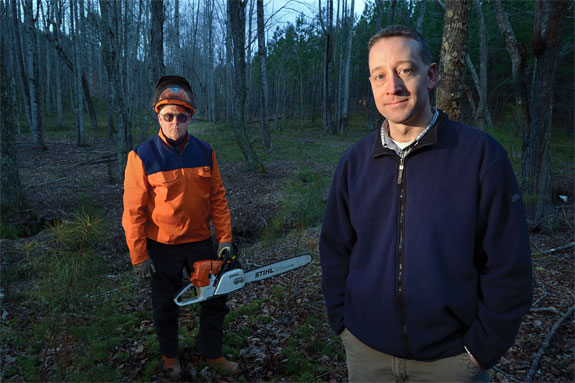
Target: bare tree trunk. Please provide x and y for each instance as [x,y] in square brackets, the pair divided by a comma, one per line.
[177,36]
[32,77]
[535,161]
[345,109]
[110,53]
[19,50]
[483,116]
[237,14]
[371,110]
[11,197]
[157,40]
[518,55]
[264,100]
[327,28]
[392,17]
[229,69]
[451,66]
[421,16]
[78,107]
[211,75]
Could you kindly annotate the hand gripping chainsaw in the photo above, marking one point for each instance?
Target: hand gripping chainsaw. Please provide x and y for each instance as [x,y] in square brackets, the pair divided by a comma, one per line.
[211,278]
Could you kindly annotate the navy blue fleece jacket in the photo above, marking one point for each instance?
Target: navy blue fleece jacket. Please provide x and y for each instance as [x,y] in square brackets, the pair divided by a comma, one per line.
[420,264]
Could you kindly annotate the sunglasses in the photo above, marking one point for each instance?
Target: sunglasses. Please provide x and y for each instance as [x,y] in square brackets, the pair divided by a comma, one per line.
[181,117]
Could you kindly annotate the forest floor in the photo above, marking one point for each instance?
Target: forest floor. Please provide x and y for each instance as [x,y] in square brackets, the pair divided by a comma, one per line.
[277,329]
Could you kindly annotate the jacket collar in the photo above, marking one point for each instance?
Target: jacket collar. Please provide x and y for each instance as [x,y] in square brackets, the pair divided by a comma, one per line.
[430,138]
[165,139]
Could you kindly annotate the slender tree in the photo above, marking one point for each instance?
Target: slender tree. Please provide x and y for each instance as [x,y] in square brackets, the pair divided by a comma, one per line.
[32,77]
[482,116]
[157,40]
[518,55]
[535,160]
[451,66]
[264,101]
[327,96]
[346,82]
[237,12]
[10,187]
[78,105]
[110,53]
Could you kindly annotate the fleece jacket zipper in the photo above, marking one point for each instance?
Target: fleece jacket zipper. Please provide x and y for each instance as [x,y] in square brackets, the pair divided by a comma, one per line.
[400,274]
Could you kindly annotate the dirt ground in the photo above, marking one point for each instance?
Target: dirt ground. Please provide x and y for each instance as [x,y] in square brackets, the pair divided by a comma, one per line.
[57,180]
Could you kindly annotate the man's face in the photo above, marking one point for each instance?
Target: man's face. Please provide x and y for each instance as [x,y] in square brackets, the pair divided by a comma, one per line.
[401,81]
[173,129]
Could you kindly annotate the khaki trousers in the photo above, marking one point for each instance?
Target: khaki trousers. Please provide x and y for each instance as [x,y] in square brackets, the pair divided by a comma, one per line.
[364,364]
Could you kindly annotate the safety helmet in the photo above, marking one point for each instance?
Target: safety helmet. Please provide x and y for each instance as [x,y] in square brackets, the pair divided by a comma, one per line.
[174,90]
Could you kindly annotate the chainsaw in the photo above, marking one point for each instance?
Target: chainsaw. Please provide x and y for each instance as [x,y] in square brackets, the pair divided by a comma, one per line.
[212,278]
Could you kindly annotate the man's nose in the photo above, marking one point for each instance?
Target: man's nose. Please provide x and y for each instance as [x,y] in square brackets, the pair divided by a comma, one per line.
[393,85]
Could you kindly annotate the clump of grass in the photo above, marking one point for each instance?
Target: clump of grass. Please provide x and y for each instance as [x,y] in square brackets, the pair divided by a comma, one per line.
[302,204]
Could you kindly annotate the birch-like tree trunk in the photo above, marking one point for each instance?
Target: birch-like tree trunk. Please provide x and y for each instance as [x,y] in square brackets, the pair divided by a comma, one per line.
[32,78]
[264,101]
[237,13]
[451,66]
[535,160]
[346,82]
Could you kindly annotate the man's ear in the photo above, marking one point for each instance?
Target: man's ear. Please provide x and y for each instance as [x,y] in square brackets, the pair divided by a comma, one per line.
[431,76]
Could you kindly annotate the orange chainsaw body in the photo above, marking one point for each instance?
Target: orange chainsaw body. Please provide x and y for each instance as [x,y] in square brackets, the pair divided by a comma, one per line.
[202,271]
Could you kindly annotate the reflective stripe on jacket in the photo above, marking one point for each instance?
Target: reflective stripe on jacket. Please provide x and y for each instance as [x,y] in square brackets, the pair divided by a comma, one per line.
[171,195]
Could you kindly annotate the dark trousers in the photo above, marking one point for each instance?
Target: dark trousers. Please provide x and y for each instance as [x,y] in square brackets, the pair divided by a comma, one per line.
[169,261]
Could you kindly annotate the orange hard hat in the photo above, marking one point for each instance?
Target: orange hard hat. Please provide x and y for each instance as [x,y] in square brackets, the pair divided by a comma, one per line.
[174,90]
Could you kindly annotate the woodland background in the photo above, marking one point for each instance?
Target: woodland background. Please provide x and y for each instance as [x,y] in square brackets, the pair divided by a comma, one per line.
[279,102]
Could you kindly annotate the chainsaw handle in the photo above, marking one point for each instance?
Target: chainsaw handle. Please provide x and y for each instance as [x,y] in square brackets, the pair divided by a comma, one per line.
[227,259]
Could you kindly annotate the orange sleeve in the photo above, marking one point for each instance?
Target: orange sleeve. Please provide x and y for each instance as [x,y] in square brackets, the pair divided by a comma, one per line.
[135,208]
[220,214]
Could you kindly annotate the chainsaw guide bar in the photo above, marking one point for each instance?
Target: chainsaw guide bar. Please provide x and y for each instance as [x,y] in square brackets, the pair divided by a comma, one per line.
[213,278]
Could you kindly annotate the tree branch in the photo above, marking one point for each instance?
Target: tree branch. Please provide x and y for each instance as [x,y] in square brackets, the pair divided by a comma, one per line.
[546,343]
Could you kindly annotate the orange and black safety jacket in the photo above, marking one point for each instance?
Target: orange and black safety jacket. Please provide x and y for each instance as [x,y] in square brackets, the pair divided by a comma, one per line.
[171,194]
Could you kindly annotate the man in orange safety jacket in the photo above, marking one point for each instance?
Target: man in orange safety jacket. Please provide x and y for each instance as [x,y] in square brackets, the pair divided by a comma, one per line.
[172,190]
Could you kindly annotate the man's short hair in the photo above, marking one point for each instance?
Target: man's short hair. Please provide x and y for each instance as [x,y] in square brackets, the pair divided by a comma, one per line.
[403,31]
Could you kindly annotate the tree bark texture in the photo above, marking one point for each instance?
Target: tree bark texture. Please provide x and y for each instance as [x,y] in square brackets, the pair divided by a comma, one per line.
[535,161]
[264,100]
[451,66]
[237,24]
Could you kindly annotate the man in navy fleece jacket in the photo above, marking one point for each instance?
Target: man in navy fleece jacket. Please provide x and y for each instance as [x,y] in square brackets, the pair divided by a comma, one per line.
[426,266]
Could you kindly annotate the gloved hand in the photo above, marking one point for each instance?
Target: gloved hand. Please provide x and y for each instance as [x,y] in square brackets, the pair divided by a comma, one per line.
[222,247]
[145,269]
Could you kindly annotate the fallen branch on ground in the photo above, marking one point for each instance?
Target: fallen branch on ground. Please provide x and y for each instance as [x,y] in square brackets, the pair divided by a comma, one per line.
[549,309]
[44,183]
[546,343]
[506,374]
[553,250]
